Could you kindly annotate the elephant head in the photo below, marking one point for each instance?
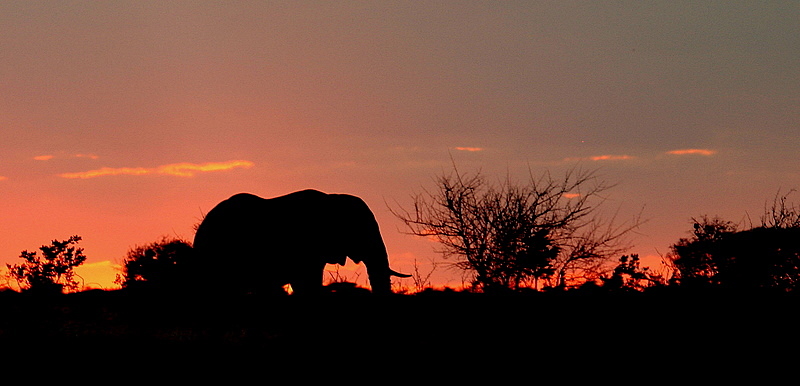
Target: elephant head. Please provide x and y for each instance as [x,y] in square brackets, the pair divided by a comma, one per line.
[289,239]
[361,240]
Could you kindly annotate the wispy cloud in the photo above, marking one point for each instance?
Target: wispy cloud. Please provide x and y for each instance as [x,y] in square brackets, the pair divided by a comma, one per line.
[108,172]
[609,157]
[604,157]
[184,169]
[469,148]
[2,178]
[705,152]
[47,157]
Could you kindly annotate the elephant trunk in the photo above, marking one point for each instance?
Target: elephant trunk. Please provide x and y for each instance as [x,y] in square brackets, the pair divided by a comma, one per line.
[373,254]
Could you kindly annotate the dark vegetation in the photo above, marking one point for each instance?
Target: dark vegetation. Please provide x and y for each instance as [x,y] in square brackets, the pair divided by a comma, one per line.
[548,278]
[155,266]
[52,271]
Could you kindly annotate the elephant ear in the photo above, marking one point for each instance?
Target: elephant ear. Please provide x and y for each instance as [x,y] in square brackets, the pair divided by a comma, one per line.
[353,230]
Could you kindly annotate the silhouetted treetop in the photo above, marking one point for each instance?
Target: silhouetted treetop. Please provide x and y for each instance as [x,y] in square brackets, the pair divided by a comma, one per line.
[52,270]
[719,255]
[157,265]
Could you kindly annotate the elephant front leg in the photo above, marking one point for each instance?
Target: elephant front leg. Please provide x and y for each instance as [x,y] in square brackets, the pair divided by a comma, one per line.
[308,280]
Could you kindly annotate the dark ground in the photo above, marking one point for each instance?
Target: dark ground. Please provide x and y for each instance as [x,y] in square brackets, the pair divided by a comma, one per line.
[472,330]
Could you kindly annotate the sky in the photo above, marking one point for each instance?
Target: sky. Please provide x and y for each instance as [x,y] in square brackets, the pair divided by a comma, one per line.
[126,121]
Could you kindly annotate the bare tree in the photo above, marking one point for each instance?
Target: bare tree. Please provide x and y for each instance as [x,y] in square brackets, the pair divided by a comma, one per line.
[513,235]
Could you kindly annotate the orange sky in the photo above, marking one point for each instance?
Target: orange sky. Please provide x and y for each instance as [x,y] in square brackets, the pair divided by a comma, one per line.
[125,121]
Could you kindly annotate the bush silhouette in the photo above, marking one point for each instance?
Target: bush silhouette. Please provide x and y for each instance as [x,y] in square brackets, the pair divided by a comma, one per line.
[720,256]
[52,271]
[155,266]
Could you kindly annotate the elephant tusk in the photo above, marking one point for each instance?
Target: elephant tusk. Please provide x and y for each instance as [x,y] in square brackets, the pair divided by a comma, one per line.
[394,273]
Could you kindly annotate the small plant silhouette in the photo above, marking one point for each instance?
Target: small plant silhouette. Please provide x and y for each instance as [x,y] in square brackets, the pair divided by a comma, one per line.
[52,271]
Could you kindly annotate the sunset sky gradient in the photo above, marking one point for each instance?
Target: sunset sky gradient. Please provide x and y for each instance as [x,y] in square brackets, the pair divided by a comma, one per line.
[126,121]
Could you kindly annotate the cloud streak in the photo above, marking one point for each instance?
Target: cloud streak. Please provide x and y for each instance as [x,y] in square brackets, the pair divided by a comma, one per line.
[47,157]
[184,169]
[608,157]
[469,148]
[705,152]
[604,157]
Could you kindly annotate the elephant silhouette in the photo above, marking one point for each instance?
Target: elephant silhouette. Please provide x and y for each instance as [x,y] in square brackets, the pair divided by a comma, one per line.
[269,243]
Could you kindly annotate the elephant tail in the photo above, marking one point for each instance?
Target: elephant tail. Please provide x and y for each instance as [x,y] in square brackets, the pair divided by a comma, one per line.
[398,274]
